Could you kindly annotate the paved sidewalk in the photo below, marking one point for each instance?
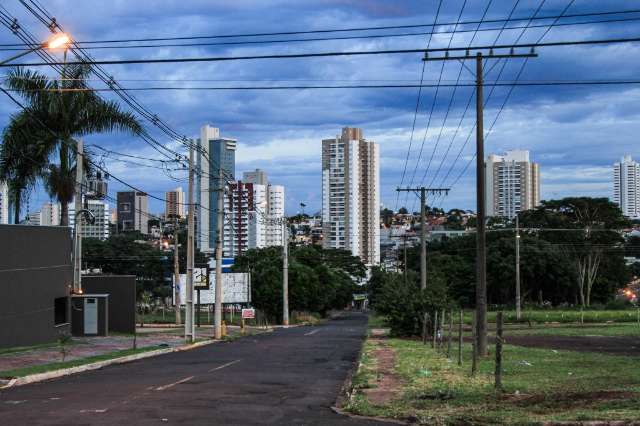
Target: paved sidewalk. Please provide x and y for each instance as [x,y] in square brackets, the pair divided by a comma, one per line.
[84,347]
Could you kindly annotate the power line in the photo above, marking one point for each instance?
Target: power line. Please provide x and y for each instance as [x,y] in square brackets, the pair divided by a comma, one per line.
[417,108]
[335,54]
[338,30]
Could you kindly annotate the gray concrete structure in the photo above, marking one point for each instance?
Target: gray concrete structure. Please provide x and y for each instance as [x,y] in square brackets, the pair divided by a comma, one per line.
[122,299]
[35,279]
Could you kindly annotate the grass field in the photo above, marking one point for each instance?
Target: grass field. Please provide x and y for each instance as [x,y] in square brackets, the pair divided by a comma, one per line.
[20,372]
[539,385]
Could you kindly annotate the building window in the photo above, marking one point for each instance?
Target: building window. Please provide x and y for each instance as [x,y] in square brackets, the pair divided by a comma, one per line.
[125,207]
[60,310]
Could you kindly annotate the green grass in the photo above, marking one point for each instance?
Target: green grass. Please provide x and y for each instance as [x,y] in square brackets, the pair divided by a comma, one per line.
[18,349]
[539,385]
[376,321]
[26,371]
[564,316]
[618,329]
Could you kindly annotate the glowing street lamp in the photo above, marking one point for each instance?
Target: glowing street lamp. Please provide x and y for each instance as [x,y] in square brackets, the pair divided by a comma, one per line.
[56,41]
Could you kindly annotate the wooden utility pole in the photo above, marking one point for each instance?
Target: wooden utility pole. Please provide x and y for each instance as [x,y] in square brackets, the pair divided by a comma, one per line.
[217,315]
[176,273]
[189,329]
[481,255]
[422,191]
[481,245]
[518,300]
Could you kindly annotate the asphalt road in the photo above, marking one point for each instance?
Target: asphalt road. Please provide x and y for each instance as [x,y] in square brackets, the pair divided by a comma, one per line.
[288,377]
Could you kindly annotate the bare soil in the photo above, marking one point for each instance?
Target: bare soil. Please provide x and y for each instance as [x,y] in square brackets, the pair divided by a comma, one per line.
[610,345]
[388,383]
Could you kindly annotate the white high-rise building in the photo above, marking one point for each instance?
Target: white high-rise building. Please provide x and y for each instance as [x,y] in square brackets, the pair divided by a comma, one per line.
[50,214]
[257,176]
[512,184]
[351,195]
[4,203]
[626,186]
[100,228]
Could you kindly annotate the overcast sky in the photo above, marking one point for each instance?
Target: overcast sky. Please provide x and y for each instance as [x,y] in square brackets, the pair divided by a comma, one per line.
[576,133]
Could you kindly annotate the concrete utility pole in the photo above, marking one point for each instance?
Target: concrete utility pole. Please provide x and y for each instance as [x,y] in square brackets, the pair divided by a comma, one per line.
[518,302]
[217,315]
[481,246]
[77,239]
[176,272]
[285,273]
[189,329]
[481,255]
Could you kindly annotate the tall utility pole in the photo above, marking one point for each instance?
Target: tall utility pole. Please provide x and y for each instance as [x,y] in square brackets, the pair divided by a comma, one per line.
[285,273]
[189,329]
[481,255]
[176,272]
[77,239]
[217,316]
[423,240]
[481,246]
[518,308]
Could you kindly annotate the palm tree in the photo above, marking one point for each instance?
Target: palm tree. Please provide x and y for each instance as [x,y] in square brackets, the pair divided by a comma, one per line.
[20,165]
[57,112]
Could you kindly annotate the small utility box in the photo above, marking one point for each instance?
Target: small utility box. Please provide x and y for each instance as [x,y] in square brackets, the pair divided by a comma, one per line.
[90,314]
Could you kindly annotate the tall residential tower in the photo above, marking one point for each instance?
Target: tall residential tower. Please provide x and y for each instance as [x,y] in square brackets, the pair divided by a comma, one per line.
[351,195]
[213,154]
[626,186]
[512,184]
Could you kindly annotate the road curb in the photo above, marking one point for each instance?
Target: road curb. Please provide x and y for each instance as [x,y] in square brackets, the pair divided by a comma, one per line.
[40,377]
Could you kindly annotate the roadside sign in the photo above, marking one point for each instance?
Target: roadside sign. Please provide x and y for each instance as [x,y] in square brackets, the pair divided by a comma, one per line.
[248,313]
[200,279]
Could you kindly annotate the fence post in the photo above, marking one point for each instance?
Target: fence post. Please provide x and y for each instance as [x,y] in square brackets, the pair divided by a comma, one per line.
[499,352]
[435,330]
[460,328]
[450,334]
[424,328]
[474,344]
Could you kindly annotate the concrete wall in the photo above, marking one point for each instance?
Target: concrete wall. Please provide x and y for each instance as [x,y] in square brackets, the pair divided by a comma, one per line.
[122,298]
[35,270]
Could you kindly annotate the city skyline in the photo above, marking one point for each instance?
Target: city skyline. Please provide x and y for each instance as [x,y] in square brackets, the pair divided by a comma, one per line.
[279,130]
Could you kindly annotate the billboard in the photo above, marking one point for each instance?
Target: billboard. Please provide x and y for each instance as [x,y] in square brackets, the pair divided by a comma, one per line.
[235,289]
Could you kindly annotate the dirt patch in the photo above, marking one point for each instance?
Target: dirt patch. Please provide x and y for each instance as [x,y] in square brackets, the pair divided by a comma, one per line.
[388,384]
[620,345]
[565,401]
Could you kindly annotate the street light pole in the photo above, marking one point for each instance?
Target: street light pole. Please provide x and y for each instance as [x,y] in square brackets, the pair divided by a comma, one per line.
[77,239]
[518,307]
[285,273]
[58,40]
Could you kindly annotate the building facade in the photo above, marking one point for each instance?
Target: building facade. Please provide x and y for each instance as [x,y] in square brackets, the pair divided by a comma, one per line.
[257,176]
[351,195]
[626,186]
[214,154]
[100,228]
[132,212]
[174,204]
[512,184]
[4,203]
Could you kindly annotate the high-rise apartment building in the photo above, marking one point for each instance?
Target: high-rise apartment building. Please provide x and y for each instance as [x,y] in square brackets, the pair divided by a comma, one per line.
[213,155]
[132,212]
[626,186]
[98,229]
[48,215]
[257,176]
[4,203]
[174,206]
[351,195]
[512,184]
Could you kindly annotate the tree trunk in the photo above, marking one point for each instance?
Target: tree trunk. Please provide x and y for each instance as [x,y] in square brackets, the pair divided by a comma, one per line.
[64,166]
[17,201]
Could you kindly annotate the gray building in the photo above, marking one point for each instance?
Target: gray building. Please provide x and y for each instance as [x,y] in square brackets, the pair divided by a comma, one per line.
[132,212]
[257,176]
[34,280]
[214,153]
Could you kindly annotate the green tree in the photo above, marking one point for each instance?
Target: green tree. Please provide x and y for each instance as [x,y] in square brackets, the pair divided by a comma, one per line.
[68,110]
